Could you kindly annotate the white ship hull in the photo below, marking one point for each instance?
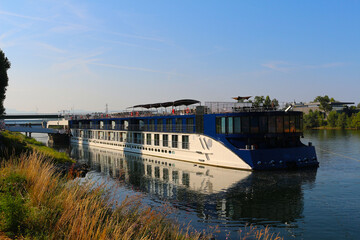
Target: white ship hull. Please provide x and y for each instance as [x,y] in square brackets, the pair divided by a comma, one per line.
[199,148]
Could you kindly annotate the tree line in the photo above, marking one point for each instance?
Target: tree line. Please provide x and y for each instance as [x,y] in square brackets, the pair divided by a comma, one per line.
[327,117]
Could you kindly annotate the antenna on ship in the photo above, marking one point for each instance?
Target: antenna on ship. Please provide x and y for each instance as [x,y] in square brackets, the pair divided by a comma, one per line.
[106,109]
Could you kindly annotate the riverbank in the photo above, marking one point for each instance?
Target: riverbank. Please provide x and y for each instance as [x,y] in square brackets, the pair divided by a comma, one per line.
[37,202]
[333,128]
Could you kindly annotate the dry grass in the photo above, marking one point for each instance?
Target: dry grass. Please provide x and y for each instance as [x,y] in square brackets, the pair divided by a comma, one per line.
[61,209]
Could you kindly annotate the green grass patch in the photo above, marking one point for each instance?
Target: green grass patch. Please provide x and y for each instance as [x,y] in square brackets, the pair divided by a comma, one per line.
[17,143]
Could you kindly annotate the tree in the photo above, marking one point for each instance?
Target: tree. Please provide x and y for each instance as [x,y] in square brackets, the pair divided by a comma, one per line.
[267,102]
[341,121]
[311,120]
[4,66]
[258,100]
[324,103]
[274,103]
[332,118]
[358,106]
[356,121]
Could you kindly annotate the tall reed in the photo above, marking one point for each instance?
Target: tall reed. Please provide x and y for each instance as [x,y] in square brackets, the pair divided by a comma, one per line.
[53,207]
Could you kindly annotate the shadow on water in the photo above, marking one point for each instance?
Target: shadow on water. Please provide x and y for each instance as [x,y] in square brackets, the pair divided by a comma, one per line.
[213,196]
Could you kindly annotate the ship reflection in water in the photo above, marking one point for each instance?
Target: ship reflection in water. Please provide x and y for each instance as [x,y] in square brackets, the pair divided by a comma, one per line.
[215,195]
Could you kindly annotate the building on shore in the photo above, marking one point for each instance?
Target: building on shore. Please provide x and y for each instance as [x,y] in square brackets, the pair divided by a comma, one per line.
[306,107]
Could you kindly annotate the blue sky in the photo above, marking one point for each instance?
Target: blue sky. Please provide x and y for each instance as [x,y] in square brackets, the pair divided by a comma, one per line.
[83,55]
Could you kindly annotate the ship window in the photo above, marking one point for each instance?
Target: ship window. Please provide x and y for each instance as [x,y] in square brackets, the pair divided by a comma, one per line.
[113,125]
[165,140]
[218,125]
[156,139]
[101,124]
[178,124]
[141,125]
[245,126]
[160,125]
[279,124]
[237,125]
[286,124]
[254,124]
[272,124]
[152,125]
[129,137]
[263,124]
[185,142]
[230,125]
[292,123]
[126,124]
[142,138]
[189,125]
[148,139]
[174,141]
[169,125]
[122,137]
[223,125]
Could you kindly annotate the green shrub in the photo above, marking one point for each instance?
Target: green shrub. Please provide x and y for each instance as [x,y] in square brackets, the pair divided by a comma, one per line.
[13,210]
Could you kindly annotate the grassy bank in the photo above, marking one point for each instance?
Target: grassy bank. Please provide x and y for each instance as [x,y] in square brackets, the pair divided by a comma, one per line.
[13,143]
[36,202]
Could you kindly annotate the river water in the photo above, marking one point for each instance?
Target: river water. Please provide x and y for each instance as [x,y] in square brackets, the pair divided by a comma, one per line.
[312,204]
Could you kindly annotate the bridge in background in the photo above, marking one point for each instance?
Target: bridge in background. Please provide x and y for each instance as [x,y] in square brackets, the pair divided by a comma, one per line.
[32,116]
[28,129]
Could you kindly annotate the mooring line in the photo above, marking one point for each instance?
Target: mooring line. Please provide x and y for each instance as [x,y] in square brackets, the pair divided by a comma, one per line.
[351,158]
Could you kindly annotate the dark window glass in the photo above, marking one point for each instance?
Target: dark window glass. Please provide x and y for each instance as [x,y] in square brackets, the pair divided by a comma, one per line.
[272,124]
[152,124]
[148,139]
[218,125]
[279,124]
[156,139]
[292,123]
[169,125]
[189,125]
[263,124]
[286,124]
[165,140]
[254,123]
[160,125]
[178,124]
[174,141]
[185,142]
[245,125]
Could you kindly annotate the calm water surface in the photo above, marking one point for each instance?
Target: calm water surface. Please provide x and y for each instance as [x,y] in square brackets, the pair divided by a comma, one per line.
[317,204]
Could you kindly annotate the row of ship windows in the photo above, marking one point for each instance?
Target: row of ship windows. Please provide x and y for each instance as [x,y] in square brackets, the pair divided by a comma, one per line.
[259,124]
[137,138]
[160,125]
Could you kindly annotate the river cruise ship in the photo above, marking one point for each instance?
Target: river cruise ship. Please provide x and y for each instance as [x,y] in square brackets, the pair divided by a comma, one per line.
[224,134]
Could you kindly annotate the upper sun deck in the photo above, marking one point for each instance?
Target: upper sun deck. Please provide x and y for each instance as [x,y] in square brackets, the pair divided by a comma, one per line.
[180,107]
